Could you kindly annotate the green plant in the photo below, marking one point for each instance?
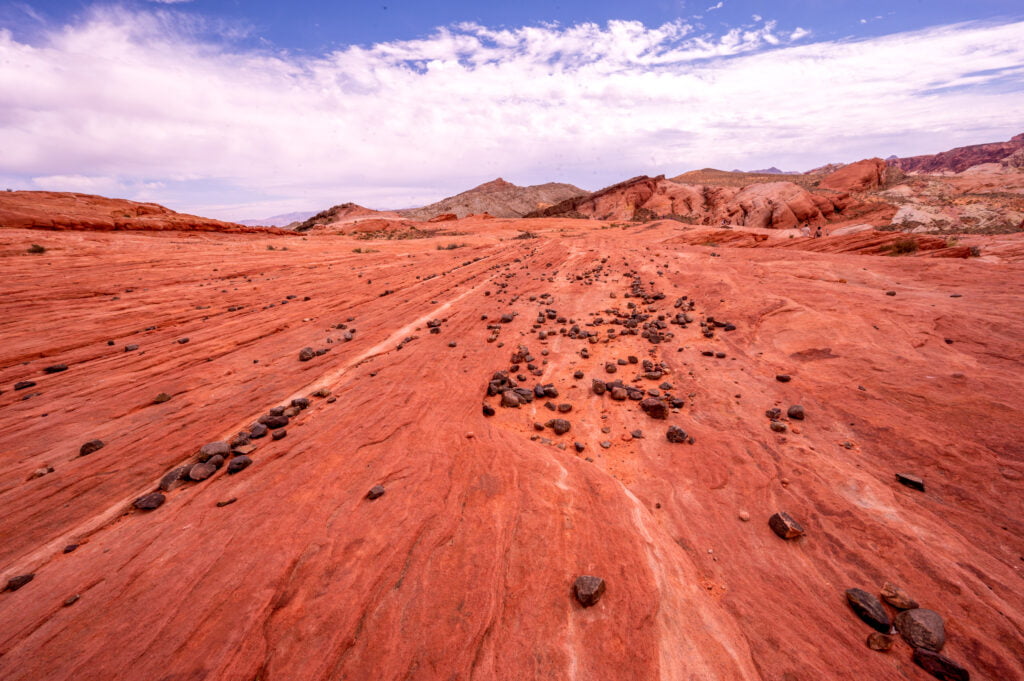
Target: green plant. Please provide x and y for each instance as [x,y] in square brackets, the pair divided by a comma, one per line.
[36,248]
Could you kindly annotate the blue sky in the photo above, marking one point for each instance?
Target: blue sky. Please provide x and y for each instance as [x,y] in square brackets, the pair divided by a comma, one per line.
[246,108]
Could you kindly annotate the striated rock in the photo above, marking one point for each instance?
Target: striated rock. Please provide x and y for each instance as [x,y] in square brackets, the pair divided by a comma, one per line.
[922,628]
[856,177]
[940,666]
[588,590]
[869,609]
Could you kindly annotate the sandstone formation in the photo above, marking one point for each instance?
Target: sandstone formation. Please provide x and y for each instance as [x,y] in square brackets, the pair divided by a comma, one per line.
[276,565]
[961,158]
[861,176]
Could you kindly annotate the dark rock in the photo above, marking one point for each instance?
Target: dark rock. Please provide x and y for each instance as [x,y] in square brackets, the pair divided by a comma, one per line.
[291,412]
[510,399]
[239,464]
[90,447]
[897,597]
[610,367]
[301,402]
[15,583]
[239,440]
[306,354]
[778,426]
[588,589]
[376,491]
[655,408]
[795,412]
[879,642]
[70,547]
[71,600]
[258,430]
[488,410]
[161,398]
[579,446]
[783,525]
[619,394]
[560,426]
[21,385]
[774,413]
[227,502]
[911,481]
[940,666]
[564,408]
[922,628]
[598,387]
[174,478]
[213,448]
[201,471]
[276,411]
[182,341]
[217,460]
[870,609]
[890,293]
[131,347]
[783,378]
[577,374]
[676,434]
[56,368]
[274,422]
[150,501]
[279,434]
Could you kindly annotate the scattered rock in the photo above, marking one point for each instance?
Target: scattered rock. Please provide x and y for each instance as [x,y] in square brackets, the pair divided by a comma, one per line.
[890,293]
[783,525]
[488,410]
[201,471]
[940,666]
[161,398]
[588,589]
[897,597]
[273,421]
[70,547]
[131,347]
[149,502]
[90,447]
[239,464]
[778,426]
[279,434]
[228,502]
[306,354]
[174,478]
[560,426]
[22,385]
[15,583]
[922,628]
[655,408]
[217,460]
[783,378]
[744,516]
[300,403]
[71,600]
[212,449]
[56,368]
[879,642]
[182,341]
[676,435]
[258,430]
[376,491]
[795,412]
[869,609]
[911,481]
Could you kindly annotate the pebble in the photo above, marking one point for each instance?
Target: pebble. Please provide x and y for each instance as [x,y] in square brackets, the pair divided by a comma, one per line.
[257,430]
[655,408]
[676,435]
[149,502]
[182,341]
[376,491]
[174,478]
[212,449]
[870,609]
[744,516]
[227,502]
[131,348]
[22,385]
[72,600]
[70,547]
[785,526]
[15,583]
[239,464]
[90,447]
[161,398]
[201,471]
[306,354]
[783,378]
[588,589]
[795,412]
[56,368]
[879,642]
[778,426]
[940,666]
[922,628]
[897,597]
[560,426]
[890,293]
[279,434]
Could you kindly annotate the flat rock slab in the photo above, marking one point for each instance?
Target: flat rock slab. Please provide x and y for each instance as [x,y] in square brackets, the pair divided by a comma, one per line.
[911,481]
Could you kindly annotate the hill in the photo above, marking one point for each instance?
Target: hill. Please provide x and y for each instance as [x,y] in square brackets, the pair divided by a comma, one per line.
[498,198]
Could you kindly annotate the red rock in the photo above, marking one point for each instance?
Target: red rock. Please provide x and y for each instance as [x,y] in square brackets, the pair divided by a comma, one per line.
[961,158]
[861,176]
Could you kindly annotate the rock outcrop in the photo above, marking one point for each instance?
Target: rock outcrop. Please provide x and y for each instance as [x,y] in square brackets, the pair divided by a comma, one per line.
[498,198]
[861,176]
[961,158]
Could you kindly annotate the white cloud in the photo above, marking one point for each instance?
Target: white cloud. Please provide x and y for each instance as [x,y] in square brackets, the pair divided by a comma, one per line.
[719,5]
[132,99]
[798,33]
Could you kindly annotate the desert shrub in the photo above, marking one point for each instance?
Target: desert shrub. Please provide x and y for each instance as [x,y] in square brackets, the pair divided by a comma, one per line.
[365,250]
[450,247]
[975,251]
[902,247]
[524,234]
[36,248]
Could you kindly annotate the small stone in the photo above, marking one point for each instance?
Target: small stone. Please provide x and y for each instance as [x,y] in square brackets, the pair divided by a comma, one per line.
[300,403]
[560,426]
[869,609]
[564,408]
[15,583]
[588,589]
[56,368]
[778,426]
[655,408]
[783,378]
[161,398]
[149,502]
[71,600]
[131,347]
[879,642]
[890,293]
[90,447]
[897,597]
[911,481]
[306,354]
[257,430]
[605,444]
[488,410]
[783,525]
[213,448]
[579,446]
[291,412]
[599,387]
[510,399]
[274,422]
[940,666]
[217,460]
[922,628]
[227,502]
[239,464]
[795,412]
[676,434]
[744,516]
[70,547]
[610,367]
[375,492]
[201,471]
[182,341]
[279,434]
[174,478]
[22,385]
[244,449]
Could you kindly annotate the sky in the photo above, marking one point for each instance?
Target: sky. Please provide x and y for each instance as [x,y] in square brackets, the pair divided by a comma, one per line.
[239,109]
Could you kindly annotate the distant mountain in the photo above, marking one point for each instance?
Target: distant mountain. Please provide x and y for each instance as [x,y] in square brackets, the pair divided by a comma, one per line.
[498,198]
[961,158]
[279,220]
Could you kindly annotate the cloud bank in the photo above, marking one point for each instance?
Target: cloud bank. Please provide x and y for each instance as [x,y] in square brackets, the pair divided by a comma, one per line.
[163,106]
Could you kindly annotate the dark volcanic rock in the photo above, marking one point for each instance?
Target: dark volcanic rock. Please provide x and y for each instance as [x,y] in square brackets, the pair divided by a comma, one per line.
[213,449]
[22,385]
[375,492]
[560,426]
[150,501]
[783,378]
[870,609]
[306,354]
[676,434]
[15,583]
[795,412]
[598,387]
[90,447]
[239,464]
[201,471]
[274,421]
[940,666]
[279,434]
[588,589]
[783,525]
[174,478]
[922,628]
[258,430]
